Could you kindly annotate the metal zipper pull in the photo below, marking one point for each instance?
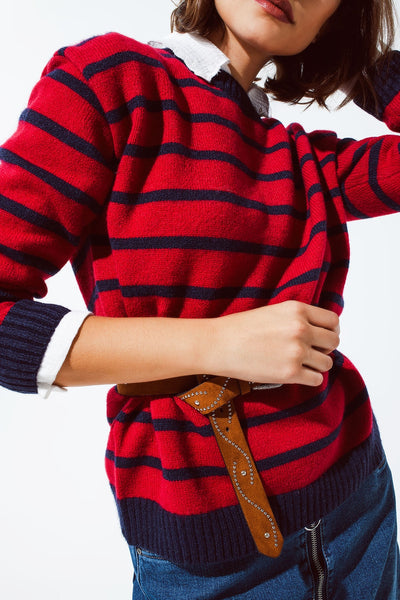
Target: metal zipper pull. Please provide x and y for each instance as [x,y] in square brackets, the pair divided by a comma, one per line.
[317,560]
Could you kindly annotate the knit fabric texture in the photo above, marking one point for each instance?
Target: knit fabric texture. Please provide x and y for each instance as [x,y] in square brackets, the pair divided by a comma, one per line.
[172,197]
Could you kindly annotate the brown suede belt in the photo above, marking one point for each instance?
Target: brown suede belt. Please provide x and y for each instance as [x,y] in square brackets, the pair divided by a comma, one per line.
[213,396]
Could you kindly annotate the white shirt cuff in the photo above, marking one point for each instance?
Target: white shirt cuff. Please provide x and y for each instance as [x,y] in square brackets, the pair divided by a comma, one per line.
[57,350]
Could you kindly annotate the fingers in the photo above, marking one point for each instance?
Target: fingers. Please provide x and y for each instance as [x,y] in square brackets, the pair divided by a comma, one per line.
[324,340]
[321,317]
[318,361]
[311,377]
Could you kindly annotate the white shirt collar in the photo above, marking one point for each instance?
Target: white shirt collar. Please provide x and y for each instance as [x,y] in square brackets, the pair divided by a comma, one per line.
[205,59]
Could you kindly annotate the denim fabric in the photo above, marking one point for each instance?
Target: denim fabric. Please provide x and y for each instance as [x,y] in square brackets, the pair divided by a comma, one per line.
[357,546]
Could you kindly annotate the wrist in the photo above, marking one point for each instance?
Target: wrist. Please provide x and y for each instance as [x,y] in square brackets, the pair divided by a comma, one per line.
[199,354]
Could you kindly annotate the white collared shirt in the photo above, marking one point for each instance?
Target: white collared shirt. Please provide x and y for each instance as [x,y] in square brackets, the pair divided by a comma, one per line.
[205,59]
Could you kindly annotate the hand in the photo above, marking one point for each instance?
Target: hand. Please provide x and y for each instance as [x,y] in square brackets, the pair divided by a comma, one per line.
[287,342]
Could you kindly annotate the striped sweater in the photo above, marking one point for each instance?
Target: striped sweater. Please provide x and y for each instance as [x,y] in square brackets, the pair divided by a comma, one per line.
[172,197]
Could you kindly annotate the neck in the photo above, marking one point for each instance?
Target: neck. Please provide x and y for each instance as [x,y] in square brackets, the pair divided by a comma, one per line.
[244,65]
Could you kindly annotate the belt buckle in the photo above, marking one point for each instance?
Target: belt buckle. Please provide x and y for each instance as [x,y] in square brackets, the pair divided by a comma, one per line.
[263,386]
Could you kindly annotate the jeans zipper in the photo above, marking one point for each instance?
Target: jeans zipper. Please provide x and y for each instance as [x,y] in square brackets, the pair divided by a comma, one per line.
[316,557]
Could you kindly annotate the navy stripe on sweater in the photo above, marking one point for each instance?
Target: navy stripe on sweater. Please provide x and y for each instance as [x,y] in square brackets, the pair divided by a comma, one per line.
[358,155]
[119,58]
[136,151]
[203,195]
[185,473]
[178,474]
[211,243]
[325,161]
[32,216]
[207,293]
[63,135]
[201,243]
[204,293]
[26,259]
[327,296]
[307,449]
[350,208]
[61,186]
[145,418]
[161,106]
[77,86]
[316,188]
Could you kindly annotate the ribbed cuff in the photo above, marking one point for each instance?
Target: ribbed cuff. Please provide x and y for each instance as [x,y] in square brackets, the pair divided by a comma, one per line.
[386,82]
[24,336]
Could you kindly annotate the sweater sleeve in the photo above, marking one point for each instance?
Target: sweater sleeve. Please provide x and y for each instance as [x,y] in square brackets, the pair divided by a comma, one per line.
[368,171]
[56,172]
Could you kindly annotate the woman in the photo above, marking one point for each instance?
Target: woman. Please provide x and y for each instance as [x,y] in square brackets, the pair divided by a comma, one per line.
[174,195]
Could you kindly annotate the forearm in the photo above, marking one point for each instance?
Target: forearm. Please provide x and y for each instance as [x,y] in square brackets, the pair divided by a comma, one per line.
[116,350]
[283,343]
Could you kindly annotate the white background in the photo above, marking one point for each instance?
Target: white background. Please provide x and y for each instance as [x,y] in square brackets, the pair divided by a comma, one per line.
[59,532]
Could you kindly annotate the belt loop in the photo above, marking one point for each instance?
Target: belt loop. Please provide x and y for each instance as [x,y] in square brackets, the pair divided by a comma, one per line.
[245,387]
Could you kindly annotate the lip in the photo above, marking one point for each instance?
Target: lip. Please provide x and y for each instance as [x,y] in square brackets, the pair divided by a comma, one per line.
[280,9]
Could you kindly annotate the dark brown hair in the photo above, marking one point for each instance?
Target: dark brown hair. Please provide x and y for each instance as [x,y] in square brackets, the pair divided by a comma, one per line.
[358,34]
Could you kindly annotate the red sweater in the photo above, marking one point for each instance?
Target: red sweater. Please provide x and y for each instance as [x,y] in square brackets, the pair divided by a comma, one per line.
[172,197]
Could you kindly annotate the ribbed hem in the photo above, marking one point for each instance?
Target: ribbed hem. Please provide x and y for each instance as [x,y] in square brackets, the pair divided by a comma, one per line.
[25,333]
[212,537]
[223,535]
[297,509]
[386,82]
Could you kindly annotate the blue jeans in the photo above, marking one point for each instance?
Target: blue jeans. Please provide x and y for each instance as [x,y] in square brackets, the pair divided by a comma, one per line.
[351,554]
